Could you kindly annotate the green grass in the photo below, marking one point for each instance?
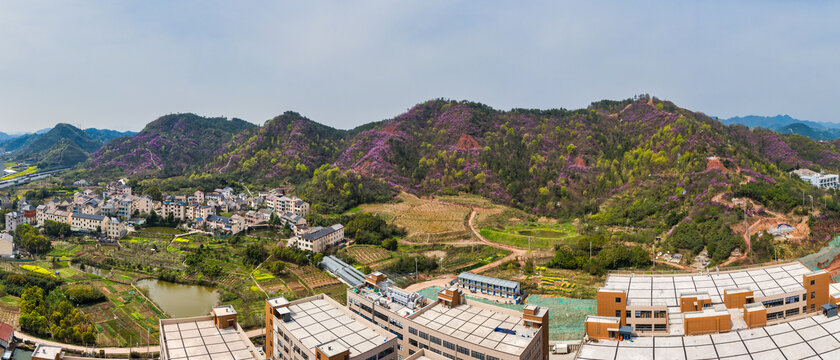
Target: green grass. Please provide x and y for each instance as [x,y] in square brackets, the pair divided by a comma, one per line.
[261,276]
[161,230]
[10,300]
[513,235]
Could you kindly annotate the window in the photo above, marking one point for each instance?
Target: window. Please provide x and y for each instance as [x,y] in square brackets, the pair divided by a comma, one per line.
[812,282]
[424,346]
[644,327]
[791,299]
[424,336]
[371,358]
[660,327]
[380,315]
[627,314]
[772,303]
[477,355]
[410,352]
[643,314]
[463,350]
[412,342]
[792,312]
[813,294]
[618,313]
[436,351]
[386,352]
[659,314]
[412,330]
[775,315]
[449,356]
[491,357]
[448,345]
[617,299]
[812,307]
[435,340]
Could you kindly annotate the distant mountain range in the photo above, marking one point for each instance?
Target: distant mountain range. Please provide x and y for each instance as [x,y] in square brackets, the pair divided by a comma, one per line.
[554,161]
[62,145]
[788,125]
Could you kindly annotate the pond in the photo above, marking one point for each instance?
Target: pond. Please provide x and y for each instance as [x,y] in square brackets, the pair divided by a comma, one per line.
[542,233]
[179,300]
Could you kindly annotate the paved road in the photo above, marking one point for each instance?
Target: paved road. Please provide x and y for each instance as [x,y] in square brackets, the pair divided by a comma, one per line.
[110,350]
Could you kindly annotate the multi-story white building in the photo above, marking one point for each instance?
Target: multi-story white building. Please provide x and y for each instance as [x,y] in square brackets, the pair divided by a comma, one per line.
[88,222]
[14,219]
[282,205]
[319,239]
[452,326]
[115,228]
[823,181]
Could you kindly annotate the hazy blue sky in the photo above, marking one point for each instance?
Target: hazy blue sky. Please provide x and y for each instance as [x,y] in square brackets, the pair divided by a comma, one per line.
[121,64]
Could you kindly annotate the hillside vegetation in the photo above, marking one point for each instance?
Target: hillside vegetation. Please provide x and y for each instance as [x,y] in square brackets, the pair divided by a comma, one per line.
[636,167]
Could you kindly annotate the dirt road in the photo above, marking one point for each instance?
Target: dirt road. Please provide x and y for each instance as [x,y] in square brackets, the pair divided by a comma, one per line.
[515,253]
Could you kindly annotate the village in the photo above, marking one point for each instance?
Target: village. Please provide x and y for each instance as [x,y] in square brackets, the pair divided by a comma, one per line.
[115,213]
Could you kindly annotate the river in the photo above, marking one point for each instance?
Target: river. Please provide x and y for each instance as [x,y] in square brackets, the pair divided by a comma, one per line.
[179,300]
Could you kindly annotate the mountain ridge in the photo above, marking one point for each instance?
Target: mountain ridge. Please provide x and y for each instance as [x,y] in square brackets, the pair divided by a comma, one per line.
[553,161]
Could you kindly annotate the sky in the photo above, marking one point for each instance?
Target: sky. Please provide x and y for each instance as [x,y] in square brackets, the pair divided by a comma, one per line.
[121,64]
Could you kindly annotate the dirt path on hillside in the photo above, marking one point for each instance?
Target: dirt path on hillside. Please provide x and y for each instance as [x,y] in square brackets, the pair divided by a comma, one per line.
[762,223]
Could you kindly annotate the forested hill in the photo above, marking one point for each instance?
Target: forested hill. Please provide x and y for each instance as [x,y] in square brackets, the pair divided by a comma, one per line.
[62,145]
[559,162]
[172,145]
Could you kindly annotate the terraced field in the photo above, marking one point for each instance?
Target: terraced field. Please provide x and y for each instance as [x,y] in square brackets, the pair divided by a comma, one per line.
[421,217]
[367,254]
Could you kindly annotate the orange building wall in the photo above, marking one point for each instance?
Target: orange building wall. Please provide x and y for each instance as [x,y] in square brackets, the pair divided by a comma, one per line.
[820,290]
[687,303]
[707,325]
[756,318]
[737,300]
[600,330]
[269,346]
[225,321]
[607,306]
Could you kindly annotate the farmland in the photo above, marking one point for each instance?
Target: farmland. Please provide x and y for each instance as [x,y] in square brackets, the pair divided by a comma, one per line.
[366,254]
[423,219]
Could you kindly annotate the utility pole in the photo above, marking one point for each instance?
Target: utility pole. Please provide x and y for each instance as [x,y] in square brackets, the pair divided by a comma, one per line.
[415,268]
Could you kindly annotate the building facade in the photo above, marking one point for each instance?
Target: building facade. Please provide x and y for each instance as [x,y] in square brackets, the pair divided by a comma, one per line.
[320,239]
[489,285]
[453,326]
[645,303]
[319,328]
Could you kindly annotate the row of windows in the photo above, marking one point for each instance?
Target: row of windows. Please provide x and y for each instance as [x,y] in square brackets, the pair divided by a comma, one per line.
[496,287]
[651,327]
